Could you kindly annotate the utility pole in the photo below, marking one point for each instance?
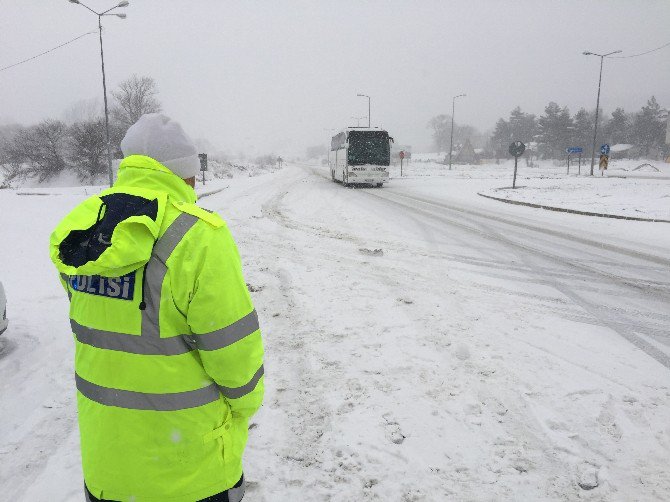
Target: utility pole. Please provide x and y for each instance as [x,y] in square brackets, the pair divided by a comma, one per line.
[104,83]
[600,78]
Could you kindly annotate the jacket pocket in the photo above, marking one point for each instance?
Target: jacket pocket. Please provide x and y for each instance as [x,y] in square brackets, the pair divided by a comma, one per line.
[224,435]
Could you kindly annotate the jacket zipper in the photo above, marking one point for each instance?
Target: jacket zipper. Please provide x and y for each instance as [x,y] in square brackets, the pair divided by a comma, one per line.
[143,304]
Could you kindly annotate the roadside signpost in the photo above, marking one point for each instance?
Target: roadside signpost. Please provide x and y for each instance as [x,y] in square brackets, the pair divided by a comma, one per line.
[402,156]
[516,149]
[203,165]
[571,150]
[604,158]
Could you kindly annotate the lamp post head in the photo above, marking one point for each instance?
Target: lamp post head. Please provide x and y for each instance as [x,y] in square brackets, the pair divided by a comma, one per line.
[74,1]
[124,3]
[587,53]
[122,16]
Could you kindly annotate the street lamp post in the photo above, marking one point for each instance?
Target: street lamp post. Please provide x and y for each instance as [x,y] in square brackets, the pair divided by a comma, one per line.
[600,78]
[451,141]
[358,120]
[366,96]
[124,3]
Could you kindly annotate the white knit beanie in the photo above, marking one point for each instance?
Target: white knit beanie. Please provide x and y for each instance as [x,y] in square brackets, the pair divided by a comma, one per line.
[162,139]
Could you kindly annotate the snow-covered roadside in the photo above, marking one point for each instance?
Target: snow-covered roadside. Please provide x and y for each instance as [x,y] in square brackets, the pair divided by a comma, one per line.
[640,198]
[624,191]
[217,170]
[439,368]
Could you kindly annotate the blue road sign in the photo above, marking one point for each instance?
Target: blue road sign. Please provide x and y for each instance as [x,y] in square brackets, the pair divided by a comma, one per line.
[605,149]
[574,149]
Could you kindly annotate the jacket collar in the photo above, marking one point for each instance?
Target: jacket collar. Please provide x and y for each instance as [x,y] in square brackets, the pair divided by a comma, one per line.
[140,171]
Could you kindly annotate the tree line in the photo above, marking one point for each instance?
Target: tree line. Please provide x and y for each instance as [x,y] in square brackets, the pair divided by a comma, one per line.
[556,129]
[44,150]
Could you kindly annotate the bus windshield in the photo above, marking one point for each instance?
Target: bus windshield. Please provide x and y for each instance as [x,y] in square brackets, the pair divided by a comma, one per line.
[369,147]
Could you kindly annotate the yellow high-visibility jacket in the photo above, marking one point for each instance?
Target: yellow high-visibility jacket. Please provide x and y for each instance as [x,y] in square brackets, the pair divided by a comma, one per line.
[169,357]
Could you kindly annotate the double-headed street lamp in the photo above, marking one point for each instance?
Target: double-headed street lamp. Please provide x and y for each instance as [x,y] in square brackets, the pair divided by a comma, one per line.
[124,3]
[451,141]
[595,129]
[366,96]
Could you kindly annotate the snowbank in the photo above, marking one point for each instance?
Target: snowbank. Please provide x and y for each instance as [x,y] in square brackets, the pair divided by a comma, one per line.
[637,188]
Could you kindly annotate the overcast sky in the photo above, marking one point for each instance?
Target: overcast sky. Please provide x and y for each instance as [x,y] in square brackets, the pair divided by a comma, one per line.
[276,76]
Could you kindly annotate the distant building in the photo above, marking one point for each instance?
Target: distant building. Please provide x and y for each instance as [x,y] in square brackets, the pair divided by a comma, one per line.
[466,155]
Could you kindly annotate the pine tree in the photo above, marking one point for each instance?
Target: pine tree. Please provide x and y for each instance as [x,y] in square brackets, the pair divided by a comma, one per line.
[523,125]
[555,128]
[583,129]
[618,128]
[501,138]
[648,128]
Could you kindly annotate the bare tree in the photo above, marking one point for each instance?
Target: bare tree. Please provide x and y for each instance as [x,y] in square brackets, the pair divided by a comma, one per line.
[135,97]
[84,110]
[87,152]
[7,133]
[441,126]
[11,170]
[42,147]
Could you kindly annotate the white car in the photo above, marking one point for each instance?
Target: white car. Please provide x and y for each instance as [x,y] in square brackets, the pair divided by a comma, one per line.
[3,309]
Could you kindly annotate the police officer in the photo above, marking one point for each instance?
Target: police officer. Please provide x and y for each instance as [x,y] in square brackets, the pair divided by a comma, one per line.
[169,357]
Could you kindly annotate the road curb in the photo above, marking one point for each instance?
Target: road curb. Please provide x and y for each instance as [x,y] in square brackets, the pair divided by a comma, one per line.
[211,192]
[572,211]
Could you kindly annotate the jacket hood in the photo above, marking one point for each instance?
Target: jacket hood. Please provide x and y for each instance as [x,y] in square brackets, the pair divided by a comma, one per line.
[113,233]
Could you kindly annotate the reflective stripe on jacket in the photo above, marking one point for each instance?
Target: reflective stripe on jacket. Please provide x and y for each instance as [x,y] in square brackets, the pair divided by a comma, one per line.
[168,361]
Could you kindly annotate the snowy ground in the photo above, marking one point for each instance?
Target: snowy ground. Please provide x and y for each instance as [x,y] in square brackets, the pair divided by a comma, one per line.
[423,343]
[634,188]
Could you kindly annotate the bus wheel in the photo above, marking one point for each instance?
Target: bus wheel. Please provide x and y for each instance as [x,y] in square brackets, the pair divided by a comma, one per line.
[379,185]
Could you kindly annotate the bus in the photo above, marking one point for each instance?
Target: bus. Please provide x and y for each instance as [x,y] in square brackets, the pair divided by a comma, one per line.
[360,156]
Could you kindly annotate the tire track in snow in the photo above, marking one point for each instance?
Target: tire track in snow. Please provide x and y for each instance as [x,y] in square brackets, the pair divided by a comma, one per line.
[599,312]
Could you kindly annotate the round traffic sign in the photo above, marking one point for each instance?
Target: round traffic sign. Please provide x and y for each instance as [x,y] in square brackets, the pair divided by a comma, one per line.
[605,149]
[517,148]
[402,154]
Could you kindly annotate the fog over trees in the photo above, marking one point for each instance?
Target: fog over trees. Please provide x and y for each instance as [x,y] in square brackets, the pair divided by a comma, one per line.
[549,134]
[77,143]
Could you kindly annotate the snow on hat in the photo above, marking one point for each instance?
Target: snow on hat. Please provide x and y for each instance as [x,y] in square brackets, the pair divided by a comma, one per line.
[161,138]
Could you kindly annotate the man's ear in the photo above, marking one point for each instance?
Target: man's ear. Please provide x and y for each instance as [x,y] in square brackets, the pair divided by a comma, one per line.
[190,181]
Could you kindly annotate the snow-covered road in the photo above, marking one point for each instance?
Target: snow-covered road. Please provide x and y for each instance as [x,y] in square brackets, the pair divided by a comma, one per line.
[423,343]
